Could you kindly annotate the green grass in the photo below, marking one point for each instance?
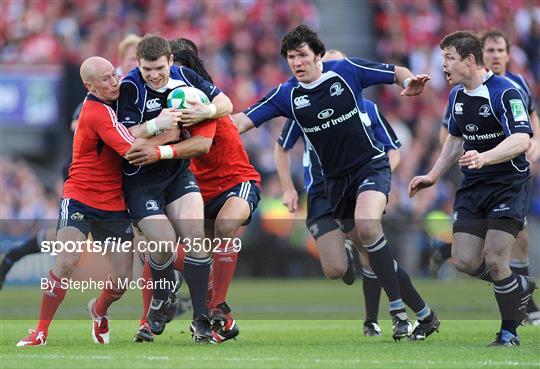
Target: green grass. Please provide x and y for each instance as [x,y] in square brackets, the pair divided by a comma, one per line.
[284,324]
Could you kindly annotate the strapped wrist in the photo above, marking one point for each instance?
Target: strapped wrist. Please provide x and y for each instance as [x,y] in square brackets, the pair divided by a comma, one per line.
[166,152]
[212,110]
[151,127]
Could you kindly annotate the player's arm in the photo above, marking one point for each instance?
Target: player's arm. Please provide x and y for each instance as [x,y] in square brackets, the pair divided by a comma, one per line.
[113,133]
[282,157]
[242,122]
[511,112]
[198,144]
[533,153]
[394,157]
[450,153]
[130,115]
[412,84]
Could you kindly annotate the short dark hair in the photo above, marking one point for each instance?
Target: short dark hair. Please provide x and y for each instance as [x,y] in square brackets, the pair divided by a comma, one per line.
[183,44]
[466,43]
[153,47]
[493,34]
[300,35]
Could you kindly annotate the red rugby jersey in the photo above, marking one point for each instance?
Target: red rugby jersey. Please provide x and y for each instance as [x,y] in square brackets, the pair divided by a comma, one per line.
[95,174]
[226,164]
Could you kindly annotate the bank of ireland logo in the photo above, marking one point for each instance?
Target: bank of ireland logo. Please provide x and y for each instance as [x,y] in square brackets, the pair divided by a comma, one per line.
[471,128]
[484,111]
[326,113]
[518,110]
[151,205]
[301,102]
[458,108]
[336,89]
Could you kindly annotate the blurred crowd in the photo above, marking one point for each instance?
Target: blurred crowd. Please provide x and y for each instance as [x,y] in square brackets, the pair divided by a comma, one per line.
[239,41]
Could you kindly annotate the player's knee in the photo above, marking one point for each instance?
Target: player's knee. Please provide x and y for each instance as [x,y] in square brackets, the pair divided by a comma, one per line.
[521,246]
[368,231]
[333,272]
[65,265]
[464,264]
[494,261]
[225,228]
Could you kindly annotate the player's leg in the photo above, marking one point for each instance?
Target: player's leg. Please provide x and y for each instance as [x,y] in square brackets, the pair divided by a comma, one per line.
[368,232]
[73,228]
[116,226]
[372,295]
[28,247]
[187,215]
[519,264]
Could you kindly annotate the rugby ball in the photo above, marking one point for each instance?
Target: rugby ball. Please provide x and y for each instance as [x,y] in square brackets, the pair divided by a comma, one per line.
[179,97]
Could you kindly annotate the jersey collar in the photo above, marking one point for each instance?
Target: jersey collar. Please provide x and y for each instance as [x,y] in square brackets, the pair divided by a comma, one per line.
[91,97]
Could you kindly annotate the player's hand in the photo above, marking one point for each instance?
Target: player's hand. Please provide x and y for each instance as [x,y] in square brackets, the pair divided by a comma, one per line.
[197,113]
[142,155]
[416,85]
[168,119]
[290,200]
[419,183]
[472,159]
[533,152]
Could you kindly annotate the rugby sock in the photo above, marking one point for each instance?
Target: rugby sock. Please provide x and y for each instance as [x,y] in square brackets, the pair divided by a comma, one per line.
[382,263]
[30,246]
[372,294]
[410,295]
[507,292]
[53,295]
[483,273]
[146,292]
[110,294]
[196,273]
[162,272]
[223,267]
[521,267]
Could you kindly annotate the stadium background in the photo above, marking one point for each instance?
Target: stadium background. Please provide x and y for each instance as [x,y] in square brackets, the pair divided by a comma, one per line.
[43,43]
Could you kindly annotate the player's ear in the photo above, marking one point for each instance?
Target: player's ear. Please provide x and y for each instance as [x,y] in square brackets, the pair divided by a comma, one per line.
[171,61]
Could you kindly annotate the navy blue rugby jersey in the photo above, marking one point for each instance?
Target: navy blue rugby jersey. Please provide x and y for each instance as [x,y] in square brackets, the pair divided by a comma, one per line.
[331,112]
[139,103]
[486,116]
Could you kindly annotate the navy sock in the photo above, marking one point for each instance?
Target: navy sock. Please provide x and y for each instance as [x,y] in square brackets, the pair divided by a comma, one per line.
[196,274]
[372,294]
[162,272]
[382,263]
[522,268]
[410,295]
[483,273]
[507,293]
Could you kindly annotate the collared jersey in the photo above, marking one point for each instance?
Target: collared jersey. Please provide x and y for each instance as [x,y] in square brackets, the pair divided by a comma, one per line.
[486,116]
[331,112]
[95,173]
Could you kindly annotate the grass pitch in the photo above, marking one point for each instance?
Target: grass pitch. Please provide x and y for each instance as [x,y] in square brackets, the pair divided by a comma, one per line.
[284,324]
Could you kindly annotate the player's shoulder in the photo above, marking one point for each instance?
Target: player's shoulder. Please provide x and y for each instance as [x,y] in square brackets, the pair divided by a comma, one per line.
[499,84]
[455,90]
[370,105]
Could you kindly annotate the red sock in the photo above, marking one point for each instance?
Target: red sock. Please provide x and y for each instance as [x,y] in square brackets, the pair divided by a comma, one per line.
[146,292]
[53,295]
[110,294]
[179,261]
[223,267]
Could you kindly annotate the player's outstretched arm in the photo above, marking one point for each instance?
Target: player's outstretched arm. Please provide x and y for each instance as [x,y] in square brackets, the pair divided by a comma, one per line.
[511,147]
[221,105]
[242,122]
[451,151]
[412,84]
[282,158]
[148,154]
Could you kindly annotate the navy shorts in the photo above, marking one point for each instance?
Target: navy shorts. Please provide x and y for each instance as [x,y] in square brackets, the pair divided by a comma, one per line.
[150,193]
[101,223]
[500,204]
[320,219]
[343,191]
[249,191]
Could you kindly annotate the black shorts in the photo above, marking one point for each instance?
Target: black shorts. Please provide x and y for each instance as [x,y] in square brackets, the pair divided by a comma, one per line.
[500,204]
[249,191]
[101,223]
[320,219]
[150,193]
[343,191]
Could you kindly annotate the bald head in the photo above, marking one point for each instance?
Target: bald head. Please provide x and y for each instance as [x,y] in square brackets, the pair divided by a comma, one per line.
[100,79]
[333,54]
[93,67]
